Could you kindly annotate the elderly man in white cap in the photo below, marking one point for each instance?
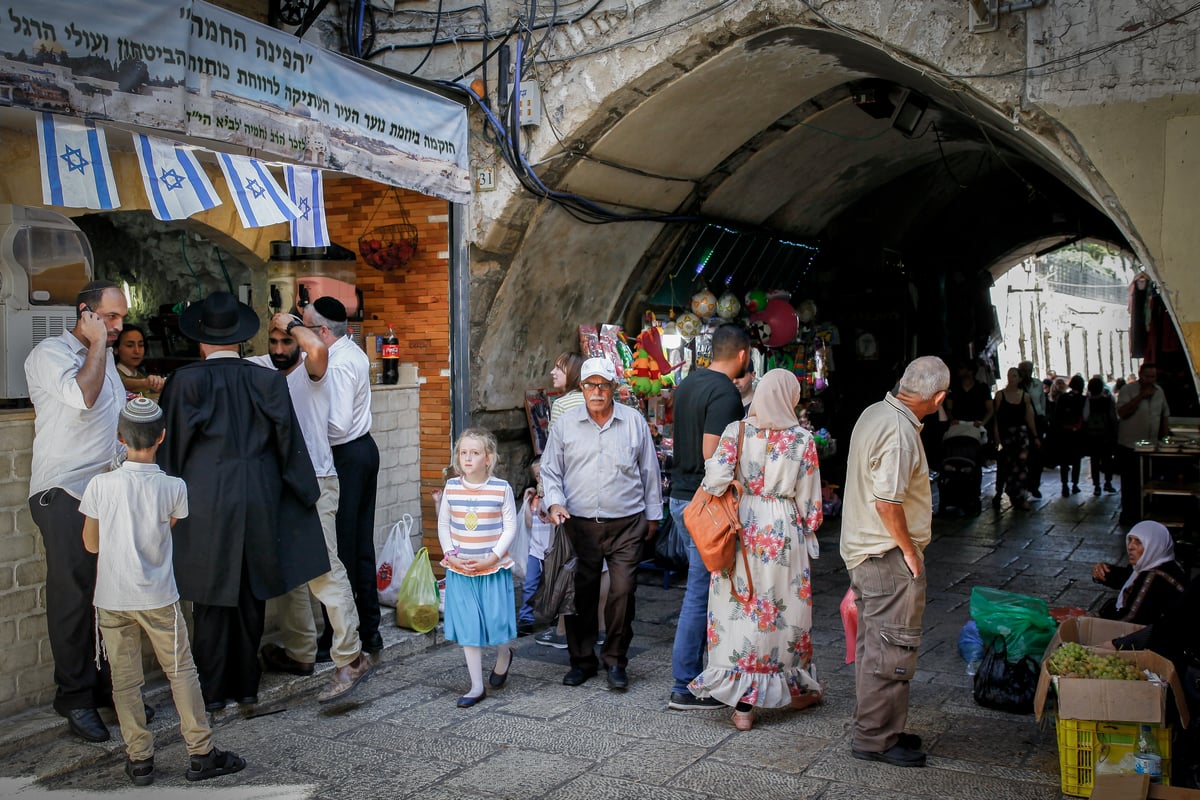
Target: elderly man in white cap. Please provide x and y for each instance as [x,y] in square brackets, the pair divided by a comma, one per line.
[601,479]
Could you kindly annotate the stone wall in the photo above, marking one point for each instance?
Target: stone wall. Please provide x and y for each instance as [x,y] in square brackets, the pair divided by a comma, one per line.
[26,665]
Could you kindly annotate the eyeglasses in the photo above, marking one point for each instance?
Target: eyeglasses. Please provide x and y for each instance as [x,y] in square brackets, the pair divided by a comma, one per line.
[596,387]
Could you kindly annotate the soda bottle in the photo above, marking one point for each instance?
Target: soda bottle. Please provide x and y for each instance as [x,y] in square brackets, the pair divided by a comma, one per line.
[391,358]
[1146,759]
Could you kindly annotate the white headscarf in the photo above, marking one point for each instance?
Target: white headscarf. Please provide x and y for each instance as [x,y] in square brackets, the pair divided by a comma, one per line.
[1157,549]
[775,401]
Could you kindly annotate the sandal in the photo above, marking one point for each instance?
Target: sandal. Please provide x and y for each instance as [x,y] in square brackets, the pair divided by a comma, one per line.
[213,763]
[808,699]
[743,720]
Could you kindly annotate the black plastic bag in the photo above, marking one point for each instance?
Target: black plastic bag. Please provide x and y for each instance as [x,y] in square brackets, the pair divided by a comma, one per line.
[670,545]
[1004,685]
[555,595]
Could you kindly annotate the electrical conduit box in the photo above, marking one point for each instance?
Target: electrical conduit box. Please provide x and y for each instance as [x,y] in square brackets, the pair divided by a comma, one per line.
[45,260]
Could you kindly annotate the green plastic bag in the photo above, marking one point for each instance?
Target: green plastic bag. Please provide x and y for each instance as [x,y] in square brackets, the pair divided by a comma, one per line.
[1023,621]
[417,600]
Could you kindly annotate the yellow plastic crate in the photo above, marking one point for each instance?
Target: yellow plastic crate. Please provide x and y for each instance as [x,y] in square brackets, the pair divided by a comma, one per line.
[1083,743]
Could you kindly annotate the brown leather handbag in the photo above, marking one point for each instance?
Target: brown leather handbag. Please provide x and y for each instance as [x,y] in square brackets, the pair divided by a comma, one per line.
[715,524]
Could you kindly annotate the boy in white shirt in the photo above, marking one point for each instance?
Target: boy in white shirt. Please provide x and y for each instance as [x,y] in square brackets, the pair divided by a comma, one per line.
[129,514]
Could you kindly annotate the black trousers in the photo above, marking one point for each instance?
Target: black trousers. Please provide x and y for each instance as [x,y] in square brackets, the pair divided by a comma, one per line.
[1129,464]
[357,465]
[70,589]
[618,541]
[225,645]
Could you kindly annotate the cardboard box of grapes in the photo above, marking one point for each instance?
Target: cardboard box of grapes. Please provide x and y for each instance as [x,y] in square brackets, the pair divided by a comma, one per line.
[1107,693]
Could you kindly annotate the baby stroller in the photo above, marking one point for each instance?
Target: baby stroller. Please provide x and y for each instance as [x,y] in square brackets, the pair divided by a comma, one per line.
[961,474]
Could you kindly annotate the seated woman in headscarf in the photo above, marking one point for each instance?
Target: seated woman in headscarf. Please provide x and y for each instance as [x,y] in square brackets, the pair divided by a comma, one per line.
[1151,583]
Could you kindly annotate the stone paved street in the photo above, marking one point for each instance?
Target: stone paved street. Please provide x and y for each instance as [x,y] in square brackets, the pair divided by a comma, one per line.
[536,738]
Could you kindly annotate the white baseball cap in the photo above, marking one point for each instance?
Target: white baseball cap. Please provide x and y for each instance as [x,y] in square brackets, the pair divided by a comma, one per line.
[601,367]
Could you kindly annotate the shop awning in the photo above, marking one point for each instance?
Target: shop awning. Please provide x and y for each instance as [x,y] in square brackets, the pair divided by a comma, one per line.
[189,67]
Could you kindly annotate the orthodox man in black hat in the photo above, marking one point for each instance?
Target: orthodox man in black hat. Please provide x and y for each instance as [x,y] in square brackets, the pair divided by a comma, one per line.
[253,532]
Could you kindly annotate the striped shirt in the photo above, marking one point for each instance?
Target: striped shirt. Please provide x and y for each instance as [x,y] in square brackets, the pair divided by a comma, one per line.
[478,519]
[572,399]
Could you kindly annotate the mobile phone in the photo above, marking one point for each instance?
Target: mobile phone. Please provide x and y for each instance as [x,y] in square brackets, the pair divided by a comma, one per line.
[86,307]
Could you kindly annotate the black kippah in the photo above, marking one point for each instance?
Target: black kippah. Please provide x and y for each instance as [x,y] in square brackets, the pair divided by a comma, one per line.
[330,308]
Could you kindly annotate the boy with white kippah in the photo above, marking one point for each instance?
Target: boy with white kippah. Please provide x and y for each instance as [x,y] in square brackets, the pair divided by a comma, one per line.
[129,514]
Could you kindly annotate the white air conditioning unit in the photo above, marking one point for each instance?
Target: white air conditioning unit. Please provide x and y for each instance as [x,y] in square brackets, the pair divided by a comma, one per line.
[44,261]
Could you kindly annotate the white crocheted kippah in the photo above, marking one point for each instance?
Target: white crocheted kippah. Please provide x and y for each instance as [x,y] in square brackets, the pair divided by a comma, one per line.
[141,409]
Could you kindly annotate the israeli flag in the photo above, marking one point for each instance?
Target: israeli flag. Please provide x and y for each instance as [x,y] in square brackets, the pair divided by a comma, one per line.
[260,200]
[307,192]
[174,180]
[76,172]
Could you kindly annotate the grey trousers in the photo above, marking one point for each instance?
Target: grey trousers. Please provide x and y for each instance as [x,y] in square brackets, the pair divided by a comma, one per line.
[890,604]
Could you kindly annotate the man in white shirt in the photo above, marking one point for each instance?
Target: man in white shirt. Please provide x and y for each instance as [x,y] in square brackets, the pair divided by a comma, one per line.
[288,339]
[357,461]
[1142,414]
[78,395]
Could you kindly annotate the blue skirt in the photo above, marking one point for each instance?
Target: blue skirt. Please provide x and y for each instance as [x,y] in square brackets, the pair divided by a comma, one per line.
[480,611]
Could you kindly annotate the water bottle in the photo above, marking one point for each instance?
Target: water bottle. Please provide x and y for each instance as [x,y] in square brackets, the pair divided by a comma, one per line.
[1146,759]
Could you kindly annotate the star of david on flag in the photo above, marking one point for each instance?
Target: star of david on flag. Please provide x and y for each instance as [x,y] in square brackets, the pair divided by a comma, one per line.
[260,200]
[76,171]
[175,182]
[307,191]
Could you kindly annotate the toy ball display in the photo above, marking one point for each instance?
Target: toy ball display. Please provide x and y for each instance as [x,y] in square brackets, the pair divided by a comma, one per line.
[688,325]
[759,330]
[806,311]
[781,318]
[704,304]
[728,306]
[756,300]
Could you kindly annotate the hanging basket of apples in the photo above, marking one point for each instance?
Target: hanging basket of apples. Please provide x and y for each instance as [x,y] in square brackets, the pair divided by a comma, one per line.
[389,247]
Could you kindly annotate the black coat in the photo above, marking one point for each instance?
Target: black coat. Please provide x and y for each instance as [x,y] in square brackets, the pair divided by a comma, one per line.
[232,435]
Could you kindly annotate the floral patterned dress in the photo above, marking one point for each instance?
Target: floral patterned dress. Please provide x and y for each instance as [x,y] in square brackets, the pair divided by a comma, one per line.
[760,645]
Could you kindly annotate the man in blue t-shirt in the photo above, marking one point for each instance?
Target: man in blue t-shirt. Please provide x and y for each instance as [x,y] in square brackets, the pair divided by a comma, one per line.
[705,403]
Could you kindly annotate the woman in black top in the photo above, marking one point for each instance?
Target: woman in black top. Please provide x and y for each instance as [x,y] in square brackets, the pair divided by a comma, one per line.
[1015,431]
[1068,435]
[1151,583]
[1100,430]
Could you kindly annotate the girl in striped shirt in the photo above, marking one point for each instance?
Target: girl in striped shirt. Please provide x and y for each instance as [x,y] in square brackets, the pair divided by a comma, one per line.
[477,521]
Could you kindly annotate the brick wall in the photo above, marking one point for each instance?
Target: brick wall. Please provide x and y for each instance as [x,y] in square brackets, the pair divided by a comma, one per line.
[415,300]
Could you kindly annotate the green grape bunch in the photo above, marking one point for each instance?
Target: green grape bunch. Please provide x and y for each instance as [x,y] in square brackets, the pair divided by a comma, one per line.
[1073,660]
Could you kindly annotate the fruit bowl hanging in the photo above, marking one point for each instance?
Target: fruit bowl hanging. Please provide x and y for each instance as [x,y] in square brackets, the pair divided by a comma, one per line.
[389,247]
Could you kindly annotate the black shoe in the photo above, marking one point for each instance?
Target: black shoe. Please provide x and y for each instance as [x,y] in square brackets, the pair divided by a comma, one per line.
[140,772]
[996,501]
[214,705]
[1075,488]
[578,675]
[1036,493]
[617,679]
[1108,487]
[466,701]
[373,645]
[686,701]
[524,628]
[897,755]
[497,679]
[909,740]
[323,656]
[213,763]
[86,724]
[1066,491]
[1096,490]
[248,700]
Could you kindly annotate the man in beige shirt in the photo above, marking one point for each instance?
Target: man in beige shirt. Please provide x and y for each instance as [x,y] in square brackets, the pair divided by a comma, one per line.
[886,525]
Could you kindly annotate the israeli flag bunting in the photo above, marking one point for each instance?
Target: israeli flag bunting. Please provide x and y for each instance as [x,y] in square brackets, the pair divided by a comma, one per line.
[260,200]
[175,182]
[76,171]
[307,192]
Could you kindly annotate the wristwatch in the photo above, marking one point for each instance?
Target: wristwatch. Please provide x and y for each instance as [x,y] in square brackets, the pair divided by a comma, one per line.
[292,324]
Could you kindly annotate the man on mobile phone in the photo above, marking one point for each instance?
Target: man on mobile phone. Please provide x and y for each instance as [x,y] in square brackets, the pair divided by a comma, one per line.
[77,395]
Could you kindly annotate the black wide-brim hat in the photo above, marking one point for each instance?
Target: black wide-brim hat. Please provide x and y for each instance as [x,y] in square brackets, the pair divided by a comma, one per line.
[219,319]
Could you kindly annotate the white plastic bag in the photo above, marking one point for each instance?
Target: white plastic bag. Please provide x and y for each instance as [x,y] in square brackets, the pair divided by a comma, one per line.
[518,551]
[394,560]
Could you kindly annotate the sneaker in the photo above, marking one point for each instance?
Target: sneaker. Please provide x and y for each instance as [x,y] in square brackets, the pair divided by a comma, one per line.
[140,772]
[213,763]
[686,701]
[551,638]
